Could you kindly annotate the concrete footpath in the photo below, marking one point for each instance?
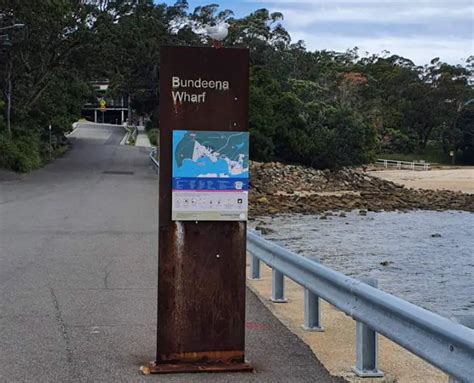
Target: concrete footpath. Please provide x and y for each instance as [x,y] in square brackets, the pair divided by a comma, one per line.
[78,275]
[142,138]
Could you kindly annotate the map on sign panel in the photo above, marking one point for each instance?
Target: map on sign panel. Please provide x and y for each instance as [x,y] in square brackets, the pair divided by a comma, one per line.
[210,175]
[210,154]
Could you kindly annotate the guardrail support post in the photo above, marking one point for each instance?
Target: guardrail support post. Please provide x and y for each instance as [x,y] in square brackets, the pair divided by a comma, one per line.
[468,321]
[312,308]
[255,268]
[278,287]
[312,312]
[154,162]
[366,347]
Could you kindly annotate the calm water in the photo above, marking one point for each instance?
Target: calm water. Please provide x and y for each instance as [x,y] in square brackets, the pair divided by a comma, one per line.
[436,273]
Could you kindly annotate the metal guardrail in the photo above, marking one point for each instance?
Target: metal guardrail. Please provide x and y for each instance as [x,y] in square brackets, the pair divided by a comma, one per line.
[154,161]
[404,164]
[133,134]
[441,342]
[130,136]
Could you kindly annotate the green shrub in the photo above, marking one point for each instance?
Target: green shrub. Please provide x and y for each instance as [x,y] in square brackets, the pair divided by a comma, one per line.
[329,138]
[395,141]
[21,154]
[8,151]
[153,135]
[149,125]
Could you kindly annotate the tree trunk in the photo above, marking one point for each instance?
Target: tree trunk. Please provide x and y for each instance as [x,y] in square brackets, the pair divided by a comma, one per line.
[8,95]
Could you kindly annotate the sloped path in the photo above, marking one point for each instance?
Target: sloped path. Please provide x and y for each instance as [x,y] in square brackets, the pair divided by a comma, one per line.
[78,275]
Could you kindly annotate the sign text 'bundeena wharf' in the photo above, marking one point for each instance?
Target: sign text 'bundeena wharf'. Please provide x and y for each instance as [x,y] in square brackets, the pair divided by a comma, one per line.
[195,90]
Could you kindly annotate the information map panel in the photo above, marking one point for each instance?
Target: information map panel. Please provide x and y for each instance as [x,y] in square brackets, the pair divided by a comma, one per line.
[210,175]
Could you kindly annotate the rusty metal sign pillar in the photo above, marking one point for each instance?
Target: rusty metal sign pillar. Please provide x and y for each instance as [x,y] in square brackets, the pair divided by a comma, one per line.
[201,279]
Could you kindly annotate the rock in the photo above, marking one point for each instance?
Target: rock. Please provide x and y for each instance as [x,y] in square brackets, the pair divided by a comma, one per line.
[323,217]
[436,235]
[342,214]
[293,189]
[386,263]
[265,230]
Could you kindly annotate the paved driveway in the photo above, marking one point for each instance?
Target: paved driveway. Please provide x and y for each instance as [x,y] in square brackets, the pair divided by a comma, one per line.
[78,275]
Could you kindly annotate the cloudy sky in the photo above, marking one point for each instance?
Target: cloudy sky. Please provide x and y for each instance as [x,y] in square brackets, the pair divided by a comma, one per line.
[417,29]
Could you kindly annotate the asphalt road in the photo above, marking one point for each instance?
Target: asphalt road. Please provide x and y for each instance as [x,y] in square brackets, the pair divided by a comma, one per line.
[78,275]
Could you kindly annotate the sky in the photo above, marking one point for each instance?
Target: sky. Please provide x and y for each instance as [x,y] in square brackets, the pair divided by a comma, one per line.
[417,29]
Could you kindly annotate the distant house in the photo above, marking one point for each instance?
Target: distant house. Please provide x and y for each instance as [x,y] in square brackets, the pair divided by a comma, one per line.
[103,108]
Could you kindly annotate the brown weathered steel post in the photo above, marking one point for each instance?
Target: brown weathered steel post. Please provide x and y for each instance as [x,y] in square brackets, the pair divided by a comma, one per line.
[201,279]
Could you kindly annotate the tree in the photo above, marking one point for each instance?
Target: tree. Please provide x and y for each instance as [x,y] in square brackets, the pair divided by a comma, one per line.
[264,90]
[433,102]
[321,108]
[45,55]
[465,135]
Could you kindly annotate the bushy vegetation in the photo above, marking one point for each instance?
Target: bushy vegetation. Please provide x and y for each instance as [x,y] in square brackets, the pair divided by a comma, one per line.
[324,109]
[48,76]
[21,154]
[153,135]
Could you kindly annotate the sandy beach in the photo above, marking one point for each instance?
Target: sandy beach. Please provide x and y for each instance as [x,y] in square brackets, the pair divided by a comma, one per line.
[455,179]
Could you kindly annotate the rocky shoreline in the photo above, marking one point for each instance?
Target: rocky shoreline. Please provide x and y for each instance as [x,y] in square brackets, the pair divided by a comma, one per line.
[276,188]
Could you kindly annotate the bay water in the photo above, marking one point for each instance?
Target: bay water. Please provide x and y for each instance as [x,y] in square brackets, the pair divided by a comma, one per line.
[424,257]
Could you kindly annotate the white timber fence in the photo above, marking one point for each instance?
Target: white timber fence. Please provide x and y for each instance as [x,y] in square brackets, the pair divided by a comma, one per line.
[403,164]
